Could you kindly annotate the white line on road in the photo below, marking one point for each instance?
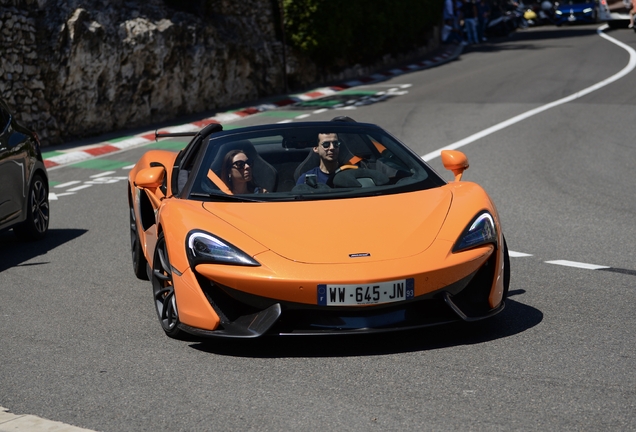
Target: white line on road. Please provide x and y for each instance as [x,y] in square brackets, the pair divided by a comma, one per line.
[627,69]
[577,264]
[514,254]
[71,183]
[105,173]
[75,189]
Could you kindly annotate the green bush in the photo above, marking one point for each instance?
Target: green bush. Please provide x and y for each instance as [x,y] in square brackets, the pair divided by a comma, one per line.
[339,32]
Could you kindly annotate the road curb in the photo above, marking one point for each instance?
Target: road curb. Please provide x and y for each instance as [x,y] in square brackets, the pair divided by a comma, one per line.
[58,158]
[26,423]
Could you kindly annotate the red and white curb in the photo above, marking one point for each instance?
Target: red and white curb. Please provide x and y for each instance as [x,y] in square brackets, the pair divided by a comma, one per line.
[95,150]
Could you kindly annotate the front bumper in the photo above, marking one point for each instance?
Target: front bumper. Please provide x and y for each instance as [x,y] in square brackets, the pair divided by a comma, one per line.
[576,17]
[244,315]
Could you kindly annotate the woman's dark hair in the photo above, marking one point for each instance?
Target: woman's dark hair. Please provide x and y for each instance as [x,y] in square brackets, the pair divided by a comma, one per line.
[226,169]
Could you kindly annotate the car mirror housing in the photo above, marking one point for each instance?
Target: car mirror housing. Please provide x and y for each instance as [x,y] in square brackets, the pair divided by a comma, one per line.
[150,177]
[455,161]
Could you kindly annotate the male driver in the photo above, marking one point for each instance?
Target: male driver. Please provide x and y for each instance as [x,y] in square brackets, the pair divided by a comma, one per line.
[327,148]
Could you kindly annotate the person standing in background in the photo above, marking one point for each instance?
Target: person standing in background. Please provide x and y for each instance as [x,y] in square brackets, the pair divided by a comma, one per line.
[483,16]
[469,16]
[449,11]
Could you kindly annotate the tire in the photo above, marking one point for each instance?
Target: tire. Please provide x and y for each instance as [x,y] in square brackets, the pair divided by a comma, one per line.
[36,224]
[506,271]
[139,262]
[163,291]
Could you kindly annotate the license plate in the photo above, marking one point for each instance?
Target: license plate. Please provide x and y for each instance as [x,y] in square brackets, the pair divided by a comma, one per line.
[364,294]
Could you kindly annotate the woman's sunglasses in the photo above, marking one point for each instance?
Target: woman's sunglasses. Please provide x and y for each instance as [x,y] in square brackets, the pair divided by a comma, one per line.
[240,164]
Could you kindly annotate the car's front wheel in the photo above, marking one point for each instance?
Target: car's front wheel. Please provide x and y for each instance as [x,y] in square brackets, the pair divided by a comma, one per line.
[506,271]
[138,259]
[163,291]
[36,223]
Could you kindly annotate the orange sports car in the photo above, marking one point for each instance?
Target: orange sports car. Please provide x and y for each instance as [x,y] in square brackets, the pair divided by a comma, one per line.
[314,228]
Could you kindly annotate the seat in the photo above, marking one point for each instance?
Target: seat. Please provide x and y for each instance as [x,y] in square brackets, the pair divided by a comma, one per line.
[264,174]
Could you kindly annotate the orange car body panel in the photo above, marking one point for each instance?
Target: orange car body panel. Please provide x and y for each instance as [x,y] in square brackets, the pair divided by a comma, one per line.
[329,231]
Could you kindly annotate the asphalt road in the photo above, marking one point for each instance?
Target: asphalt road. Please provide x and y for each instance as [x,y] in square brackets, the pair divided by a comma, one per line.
[81,344]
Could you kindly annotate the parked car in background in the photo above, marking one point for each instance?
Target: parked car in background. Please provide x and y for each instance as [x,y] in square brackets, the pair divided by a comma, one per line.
[24,187]
[576,12]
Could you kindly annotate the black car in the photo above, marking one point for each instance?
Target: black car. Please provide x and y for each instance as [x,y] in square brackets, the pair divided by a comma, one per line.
[24,186]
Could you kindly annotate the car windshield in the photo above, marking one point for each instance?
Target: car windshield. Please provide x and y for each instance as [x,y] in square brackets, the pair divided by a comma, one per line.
[328,160]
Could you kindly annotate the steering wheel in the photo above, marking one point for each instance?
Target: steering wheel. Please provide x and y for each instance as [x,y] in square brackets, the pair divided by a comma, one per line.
[345,167]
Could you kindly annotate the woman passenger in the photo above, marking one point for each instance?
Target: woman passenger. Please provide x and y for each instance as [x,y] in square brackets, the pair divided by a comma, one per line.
[236,173]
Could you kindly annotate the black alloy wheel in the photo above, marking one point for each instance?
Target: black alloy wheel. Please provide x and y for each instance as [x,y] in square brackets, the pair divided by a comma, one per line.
[163,291]
[37,221]
[139,262]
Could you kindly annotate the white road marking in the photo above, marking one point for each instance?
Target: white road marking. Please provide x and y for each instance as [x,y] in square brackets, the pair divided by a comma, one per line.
[106,180]
[577,264]
[627,69]
[514,254]
[285,121]
[75,189]
[105,173]
[52,196]
[71,183]
[129,167]
[302,116]
[320,111]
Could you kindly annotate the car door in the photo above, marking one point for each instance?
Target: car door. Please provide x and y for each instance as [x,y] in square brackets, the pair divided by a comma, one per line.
[13,170]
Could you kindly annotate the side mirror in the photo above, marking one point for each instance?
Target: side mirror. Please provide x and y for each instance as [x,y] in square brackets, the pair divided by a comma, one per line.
[150,177]
[455,161]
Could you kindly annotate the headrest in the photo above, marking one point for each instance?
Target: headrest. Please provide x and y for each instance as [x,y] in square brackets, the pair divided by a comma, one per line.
[244,145]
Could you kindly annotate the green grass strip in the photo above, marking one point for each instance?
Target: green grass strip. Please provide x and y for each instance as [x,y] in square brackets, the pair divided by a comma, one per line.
[50,154]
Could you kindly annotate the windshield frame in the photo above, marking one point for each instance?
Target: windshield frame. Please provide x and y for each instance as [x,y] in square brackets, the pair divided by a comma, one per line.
[296,138]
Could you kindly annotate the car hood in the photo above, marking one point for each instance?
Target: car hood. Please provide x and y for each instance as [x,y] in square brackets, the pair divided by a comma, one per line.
[340,231]
[579,7]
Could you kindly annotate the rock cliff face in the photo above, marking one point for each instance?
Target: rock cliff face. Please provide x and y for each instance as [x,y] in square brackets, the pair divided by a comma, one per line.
[76,68]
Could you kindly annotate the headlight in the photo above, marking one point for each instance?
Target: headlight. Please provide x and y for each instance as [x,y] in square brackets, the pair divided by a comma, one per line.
[481,231]
[205,248]
[558,12]
[587,10]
